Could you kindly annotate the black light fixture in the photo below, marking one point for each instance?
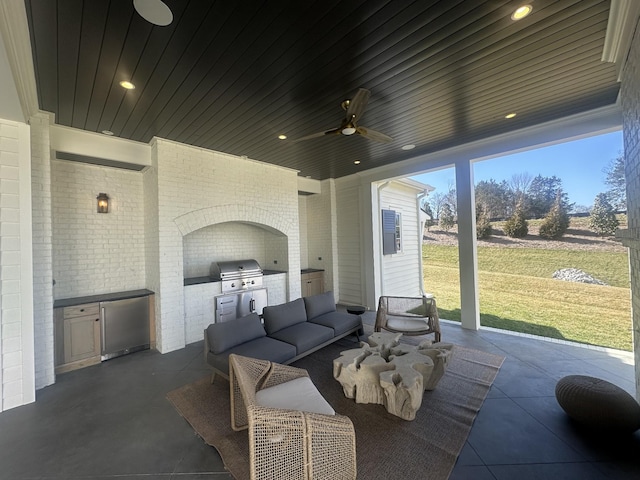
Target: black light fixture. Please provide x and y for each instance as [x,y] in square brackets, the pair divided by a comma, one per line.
[103,203]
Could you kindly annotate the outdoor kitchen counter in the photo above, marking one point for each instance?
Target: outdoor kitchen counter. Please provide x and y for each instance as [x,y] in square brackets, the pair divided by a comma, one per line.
[208,279]
[105,297]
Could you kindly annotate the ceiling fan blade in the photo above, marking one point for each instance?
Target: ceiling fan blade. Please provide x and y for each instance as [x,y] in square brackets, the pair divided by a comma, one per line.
[373,135]
[357,104]
[316,135]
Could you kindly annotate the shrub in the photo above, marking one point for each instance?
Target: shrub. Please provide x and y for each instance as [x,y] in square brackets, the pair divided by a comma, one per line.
[603,219]
[483,225]
[446,220]
[516,225]
[556,223]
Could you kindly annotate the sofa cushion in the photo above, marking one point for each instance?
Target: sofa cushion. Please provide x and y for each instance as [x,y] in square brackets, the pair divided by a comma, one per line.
[297,394]
[304,336]
[225,335]
[264,348]
[340,322]
[277,317]
[316,305]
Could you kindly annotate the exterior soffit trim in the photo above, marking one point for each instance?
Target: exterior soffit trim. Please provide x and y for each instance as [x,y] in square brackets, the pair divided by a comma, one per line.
[623,19]
[15,34]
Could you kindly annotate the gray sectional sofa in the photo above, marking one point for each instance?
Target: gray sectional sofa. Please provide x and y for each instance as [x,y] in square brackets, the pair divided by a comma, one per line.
[290,331]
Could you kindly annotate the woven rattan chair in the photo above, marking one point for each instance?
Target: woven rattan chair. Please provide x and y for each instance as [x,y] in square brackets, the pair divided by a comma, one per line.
[408,315]
[287,444]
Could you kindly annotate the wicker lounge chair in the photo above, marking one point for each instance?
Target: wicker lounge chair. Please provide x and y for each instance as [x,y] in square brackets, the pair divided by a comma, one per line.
[408,315]
[287,443]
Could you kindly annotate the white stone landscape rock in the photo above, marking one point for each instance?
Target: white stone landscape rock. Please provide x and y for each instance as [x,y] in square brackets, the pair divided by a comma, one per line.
[576,275]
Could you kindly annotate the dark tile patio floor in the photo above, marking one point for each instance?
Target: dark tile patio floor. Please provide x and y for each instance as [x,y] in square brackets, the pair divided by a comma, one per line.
[113,421]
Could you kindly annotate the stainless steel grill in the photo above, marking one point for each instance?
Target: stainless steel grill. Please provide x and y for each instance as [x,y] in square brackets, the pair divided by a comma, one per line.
[237,275]
[242,292]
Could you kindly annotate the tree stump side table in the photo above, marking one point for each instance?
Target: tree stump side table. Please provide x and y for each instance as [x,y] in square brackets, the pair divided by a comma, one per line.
[388,373]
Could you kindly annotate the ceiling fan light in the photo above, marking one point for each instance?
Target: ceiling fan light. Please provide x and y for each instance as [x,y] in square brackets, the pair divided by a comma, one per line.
[348,130]
[154,11]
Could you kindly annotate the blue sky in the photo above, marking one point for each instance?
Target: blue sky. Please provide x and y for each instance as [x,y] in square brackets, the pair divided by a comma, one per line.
[579,164]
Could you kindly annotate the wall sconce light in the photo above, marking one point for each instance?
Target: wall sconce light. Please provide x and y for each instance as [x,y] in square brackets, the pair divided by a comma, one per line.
[103,203]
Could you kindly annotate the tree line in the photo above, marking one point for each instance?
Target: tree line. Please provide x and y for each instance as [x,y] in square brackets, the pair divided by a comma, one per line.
[524,197]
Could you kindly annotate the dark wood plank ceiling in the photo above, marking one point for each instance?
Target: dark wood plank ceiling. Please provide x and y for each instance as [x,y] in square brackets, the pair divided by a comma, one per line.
[232,76]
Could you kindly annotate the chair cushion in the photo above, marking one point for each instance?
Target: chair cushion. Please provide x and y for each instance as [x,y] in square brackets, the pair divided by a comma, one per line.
[225,335]
[297,394]
[277,317]
[304,335]
[339,321]
[407,324]
[317,305]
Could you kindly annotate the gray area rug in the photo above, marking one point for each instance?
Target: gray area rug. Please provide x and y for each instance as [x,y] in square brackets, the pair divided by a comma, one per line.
[387,446]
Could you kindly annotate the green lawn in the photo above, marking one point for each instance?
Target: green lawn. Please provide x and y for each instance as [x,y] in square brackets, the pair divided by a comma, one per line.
[517,292]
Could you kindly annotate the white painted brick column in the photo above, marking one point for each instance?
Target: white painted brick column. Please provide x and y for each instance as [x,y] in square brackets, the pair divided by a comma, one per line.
[630,99]
[17,376]
[42,251]
[197,188]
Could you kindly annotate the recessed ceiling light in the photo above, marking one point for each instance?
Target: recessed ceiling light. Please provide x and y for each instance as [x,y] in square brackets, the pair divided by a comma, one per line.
[128,85]
[357,162]
[409,146]
[154,11]
[107,132]
[521,12]
[282,137]
[510,115]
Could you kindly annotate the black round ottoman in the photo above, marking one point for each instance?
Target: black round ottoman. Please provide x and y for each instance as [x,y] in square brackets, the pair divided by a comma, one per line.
[356,310]
[598,404]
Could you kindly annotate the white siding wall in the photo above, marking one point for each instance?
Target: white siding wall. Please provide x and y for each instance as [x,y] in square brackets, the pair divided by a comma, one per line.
[96,253]
[401,271]
[349,243]
[197,188]
[321,235]
[17,371]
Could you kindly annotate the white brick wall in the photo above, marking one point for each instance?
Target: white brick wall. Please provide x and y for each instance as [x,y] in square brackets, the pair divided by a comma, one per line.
[630,99]
[42,248]
[302,209]
[197,188]
[96,253]
[151,240]
[199,309]
[277,288]
[17,372]
[232,241]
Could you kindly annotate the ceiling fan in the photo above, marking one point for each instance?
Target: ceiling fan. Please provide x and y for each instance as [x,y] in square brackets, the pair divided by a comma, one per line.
[354,108]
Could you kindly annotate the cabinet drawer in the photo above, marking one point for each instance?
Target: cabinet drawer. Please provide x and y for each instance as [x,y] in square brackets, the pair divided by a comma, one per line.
[81,310]
[312,275]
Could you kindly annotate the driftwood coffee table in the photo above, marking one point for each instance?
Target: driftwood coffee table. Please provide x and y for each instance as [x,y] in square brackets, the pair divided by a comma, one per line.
[388,373]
